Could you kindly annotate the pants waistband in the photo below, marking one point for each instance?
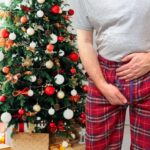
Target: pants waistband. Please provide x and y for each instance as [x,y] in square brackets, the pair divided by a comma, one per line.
[109,63]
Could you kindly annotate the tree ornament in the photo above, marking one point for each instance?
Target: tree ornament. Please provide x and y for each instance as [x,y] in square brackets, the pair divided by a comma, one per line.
[61,126]
[60,38]
[37,108]
[6,69]
[55,9]
[21,111]
[73,92]
[12,36]
[61,53]
[30,93]
[54,38]
[59,79]
[71,12]
[85,88]
[53,127]
[40,1]
[32,44]
[3,98]
[6,117]
[65,144]
[74,56]
[27,62]
[49,90]
[40,13]
[23,19]
[51,111]
[5,33]
[73,70]
[50,47]
[80,66]
[60,94]
[30,31]
[49,64]
[32,78]
[73,135]
[68,114]
[75,98]
[1,56]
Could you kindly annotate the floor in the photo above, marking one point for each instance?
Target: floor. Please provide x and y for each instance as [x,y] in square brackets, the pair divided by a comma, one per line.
[126,139]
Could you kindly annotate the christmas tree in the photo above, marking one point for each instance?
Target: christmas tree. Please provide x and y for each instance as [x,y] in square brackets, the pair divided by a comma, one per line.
[41,76]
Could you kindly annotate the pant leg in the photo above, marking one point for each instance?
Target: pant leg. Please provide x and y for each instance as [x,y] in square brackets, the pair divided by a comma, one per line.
[140,114]
[104,122]
[140,126]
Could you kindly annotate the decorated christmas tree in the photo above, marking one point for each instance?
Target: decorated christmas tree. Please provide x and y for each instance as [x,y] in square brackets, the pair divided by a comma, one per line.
[41,76]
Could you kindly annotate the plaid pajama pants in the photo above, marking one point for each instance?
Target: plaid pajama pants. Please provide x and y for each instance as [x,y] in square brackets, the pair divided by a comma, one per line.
[105,122]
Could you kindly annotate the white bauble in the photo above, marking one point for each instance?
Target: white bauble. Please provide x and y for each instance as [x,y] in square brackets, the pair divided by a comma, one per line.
[80,66]
[32,78]
[40,13]
[30,31]
[61,53]
[1,56]
[65,144]
[73,92]
[6,117]
[30,93]
[59,79]
[12,36]
[49,64]
[40,1]
[60,94]
[68,114]
[32,44]
[51,111]
[8,2]
[53,39]
[37,108]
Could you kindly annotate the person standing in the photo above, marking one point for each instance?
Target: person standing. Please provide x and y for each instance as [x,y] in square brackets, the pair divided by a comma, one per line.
[118,70]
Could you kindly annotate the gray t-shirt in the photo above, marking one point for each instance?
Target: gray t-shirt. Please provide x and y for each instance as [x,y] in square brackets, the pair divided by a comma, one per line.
[122,26]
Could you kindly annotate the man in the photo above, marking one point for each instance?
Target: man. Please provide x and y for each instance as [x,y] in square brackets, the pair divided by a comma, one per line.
[119,73]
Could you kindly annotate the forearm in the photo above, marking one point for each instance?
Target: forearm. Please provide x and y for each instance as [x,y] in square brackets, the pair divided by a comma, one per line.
[91,64]
[148,59]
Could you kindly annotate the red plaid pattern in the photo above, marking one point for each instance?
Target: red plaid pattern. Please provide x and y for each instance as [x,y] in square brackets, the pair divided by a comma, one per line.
[105,122]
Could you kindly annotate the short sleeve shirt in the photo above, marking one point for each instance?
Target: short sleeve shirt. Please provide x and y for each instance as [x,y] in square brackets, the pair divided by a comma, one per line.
[122,26]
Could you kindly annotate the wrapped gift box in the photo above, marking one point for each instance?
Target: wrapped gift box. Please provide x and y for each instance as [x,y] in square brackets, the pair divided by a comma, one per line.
[4,147]
[30,141]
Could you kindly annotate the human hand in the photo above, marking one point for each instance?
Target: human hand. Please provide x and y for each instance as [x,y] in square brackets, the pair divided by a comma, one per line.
[113,95]
[138,65]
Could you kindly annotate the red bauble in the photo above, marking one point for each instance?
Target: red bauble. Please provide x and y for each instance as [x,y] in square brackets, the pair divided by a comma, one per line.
[85,88]
[2,98]
[6,70]
[74,56]
[71,12]
[5,33]
[82,118]
[66,17]
[49,90]
[52,127]
[50,47]
[61,126]
[60,38]
[23,19]
[55,9]
[73,70]
[21,111]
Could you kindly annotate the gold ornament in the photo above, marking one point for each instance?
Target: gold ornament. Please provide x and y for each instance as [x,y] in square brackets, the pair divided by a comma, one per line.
[31,49]
[27,62]
[46,18]
[4,14]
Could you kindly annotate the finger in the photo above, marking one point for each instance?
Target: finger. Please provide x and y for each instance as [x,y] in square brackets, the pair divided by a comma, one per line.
[122,98]
[128,57]
[127,77]
[123,67]
[118,100]
[123,73]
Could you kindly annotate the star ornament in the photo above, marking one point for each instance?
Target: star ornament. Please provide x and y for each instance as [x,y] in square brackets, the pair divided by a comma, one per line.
[27,62]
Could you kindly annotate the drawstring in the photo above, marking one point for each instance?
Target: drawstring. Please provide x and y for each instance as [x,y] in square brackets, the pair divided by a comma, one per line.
[131,92]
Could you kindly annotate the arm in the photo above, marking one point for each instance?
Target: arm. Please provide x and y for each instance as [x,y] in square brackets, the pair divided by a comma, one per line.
[89,57]
[91,64]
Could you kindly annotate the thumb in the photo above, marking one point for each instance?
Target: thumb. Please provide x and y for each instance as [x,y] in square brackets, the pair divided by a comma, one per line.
[128,57]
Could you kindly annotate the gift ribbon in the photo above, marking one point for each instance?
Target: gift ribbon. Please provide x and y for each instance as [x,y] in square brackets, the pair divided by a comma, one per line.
[21,92]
